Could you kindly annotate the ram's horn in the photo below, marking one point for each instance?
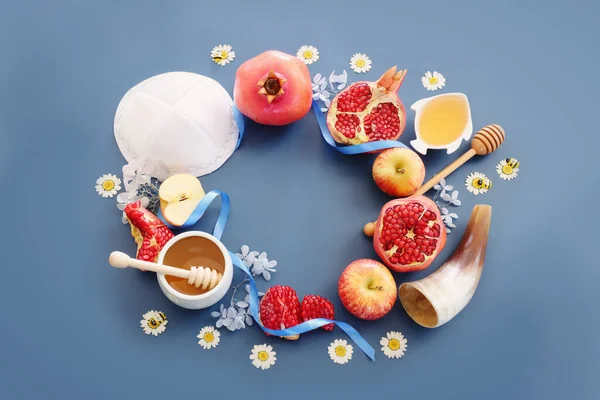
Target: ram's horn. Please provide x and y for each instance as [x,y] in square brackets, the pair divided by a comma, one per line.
[439,297]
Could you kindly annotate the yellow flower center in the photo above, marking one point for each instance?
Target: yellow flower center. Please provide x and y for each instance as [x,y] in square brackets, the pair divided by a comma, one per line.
[507,169]
[360,63]
[433,80]
[307,54]
[153,323]
[224,54]
[108,185]
[394,344]
[209,337]
[263,355]
[340,351]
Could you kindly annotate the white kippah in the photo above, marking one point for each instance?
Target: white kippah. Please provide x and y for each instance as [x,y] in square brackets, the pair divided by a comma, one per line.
[177,122]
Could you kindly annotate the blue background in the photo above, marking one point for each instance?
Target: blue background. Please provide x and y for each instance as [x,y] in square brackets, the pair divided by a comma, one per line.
[70,323]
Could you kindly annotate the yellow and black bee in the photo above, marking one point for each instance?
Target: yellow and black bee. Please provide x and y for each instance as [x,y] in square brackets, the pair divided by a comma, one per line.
[478,183]
[508,168]
[218,57]
[162,315]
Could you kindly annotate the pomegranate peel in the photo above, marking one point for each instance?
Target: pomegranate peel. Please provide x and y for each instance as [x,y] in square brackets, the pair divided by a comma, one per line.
[409,234]
[368,111]
[148,231]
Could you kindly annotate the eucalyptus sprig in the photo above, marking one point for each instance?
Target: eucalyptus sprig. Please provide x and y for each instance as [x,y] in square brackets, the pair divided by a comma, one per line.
[450,196]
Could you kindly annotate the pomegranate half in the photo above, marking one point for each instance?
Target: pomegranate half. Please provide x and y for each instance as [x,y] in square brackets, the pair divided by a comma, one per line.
[409,234]
[368,111]
[273,88]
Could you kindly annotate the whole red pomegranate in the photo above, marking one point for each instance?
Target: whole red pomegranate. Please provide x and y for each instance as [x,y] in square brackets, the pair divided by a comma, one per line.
[368,111]
[409,234]
[273,88]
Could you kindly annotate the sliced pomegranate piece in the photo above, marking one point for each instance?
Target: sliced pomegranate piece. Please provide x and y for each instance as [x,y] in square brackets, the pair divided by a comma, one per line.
[280,309]
[368,111]
[148,231]
[409,234]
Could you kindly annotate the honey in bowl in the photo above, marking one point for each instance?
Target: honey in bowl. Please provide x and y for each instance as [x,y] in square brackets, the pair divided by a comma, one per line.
[193,251]
[442,122]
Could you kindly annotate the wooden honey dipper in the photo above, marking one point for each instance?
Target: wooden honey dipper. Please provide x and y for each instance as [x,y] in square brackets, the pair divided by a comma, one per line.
[196,276]
[487,140]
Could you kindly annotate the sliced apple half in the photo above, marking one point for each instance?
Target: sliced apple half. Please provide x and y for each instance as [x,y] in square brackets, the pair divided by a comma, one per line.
[179,195]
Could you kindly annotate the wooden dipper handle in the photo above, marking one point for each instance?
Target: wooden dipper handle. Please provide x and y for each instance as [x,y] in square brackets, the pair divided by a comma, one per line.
[206,277]
[484,142]
[487,140]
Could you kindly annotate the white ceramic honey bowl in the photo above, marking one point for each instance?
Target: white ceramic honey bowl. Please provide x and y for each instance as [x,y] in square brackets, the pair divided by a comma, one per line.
[195,248]
[442,122]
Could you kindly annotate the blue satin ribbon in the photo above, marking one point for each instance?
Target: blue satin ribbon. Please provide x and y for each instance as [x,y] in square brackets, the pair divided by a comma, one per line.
[239,120]
[253,300]
[305,326]
[354,149]
[201,209]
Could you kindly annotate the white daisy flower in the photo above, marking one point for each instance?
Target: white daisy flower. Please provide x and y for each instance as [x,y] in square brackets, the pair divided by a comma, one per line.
[508,169]
[108,185]
[222,54]
[209,337]
[393,344]
[308,54]
[360,63]
[340,351]
[154,323]
[433,81]
[477,183]
[263,356]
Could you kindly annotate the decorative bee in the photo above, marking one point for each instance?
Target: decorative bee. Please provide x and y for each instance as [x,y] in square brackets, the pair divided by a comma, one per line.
[219,57]
[154,322]
[508,168]
[477,183]
[162,315]
[222,54]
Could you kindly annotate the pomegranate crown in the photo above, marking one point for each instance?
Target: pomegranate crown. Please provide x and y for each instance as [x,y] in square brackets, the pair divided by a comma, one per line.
[271,86]
[391,80]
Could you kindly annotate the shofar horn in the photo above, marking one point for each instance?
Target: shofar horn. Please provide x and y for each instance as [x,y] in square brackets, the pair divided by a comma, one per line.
[439,297]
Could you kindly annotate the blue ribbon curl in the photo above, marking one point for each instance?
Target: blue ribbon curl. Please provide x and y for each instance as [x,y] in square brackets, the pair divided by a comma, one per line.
[239,120]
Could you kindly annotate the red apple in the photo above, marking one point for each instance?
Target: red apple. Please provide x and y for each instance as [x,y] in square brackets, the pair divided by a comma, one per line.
[398,172]
[367,289]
